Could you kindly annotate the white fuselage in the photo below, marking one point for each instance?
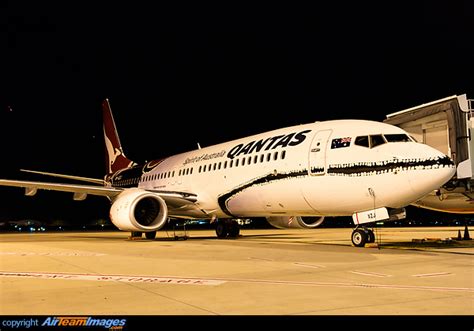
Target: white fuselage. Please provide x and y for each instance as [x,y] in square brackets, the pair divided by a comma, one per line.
[322,168]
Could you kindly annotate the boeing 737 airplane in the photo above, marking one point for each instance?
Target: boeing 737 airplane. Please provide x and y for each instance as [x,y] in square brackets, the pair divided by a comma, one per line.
[294,176]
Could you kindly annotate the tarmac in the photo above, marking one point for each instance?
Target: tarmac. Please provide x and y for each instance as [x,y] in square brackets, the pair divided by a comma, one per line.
[408,271]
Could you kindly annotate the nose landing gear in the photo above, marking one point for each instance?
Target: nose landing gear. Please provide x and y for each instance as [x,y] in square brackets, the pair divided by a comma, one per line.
[361,236]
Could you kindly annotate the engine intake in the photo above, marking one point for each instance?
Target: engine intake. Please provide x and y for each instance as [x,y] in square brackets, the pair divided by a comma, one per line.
[138,210]
[295,222]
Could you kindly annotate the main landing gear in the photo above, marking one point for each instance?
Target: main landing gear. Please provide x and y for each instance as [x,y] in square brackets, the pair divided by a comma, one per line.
[134,235]
[150,235]
[227,228]
[362,236]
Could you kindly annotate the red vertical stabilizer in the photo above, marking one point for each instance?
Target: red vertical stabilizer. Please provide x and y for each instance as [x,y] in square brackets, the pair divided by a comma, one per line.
[114,157]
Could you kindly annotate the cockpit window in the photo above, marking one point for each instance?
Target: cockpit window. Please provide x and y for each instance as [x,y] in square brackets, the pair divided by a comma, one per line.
[341,142]
[393,138]
[362,141]
[376,140]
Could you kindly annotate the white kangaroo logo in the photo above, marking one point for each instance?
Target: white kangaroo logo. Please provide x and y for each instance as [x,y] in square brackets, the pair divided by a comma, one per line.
[113,152]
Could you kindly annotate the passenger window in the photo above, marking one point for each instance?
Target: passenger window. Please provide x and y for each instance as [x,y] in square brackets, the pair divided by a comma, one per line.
[283,155]
[255,159]
[231,163]
[249,160]
[262,157]
[275,156]
[243,161]
[362,141]
[269,157]
[376,140]
[215,166]
[237,162]
[225,164]
[219,166]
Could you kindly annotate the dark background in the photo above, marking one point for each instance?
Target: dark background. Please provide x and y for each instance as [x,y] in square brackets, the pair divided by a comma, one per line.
[181,74]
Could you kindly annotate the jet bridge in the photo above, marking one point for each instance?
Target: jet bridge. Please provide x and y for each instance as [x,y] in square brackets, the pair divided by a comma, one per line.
[447,125]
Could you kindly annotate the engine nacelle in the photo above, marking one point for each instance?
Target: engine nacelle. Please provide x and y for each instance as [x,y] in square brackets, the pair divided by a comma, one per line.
[138,210]
[295,222]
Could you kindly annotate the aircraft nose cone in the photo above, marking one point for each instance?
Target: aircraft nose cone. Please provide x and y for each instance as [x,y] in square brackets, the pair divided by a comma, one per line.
[430,173]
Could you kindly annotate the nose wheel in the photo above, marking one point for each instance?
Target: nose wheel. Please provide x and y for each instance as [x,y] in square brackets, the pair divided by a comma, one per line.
[362,236]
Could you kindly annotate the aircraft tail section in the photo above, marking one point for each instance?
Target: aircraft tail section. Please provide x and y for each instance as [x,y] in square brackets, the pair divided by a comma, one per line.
[114,157]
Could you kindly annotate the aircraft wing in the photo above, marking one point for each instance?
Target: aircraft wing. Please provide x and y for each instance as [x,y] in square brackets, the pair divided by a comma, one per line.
[79,178]
[178,202]
[31,187]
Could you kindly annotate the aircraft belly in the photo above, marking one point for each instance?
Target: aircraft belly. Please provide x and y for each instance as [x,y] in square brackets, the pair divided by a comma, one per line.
[342,196]
[274,198]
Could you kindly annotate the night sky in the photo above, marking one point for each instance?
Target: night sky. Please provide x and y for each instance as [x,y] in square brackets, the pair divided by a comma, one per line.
[177,75]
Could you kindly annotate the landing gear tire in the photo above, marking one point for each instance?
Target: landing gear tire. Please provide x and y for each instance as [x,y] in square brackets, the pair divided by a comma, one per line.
[227,229]
[136,234]
[234,230]
[359,238]
[150,235]
[221,230]
[370,236]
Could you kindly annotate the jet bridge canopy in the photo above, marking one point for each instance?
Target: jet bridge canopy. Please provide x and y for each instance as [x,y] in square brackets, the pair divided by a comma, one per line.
[444,124]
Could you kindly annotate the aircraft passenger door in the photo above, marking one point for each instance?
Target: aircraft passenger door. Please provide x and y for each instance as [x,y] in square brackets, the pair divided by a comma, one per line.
[317,153]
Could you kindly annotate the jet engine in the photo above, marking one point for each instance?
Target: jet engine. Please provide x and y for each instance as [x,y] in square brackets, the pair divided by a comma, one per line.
[295,222]
[139,210]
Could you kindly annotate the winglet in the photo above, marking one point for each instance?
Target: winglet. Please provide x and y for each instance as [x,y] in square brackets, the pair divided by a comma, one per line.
[115,157]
